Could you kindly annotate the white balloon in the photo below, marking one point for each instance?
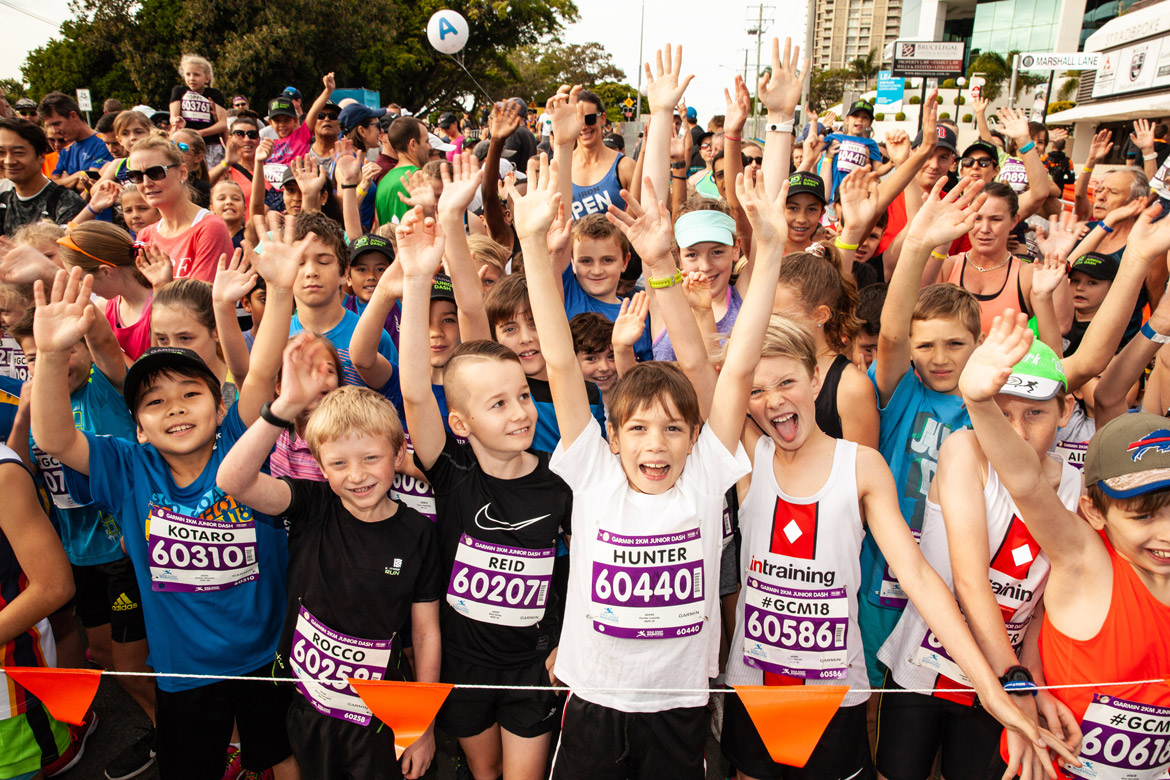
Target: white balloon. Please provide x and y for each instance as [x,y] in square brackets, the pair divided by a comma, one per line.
[447,31]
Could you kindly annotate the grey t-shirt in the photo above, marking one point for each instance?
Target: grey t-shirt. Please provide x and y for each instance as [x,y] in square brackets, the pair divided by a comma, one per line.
[54,203]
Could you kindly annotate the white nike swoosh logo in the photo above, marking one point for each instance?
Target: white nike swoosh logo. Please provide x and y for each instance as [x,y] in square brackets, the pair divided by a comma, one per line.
[489,523]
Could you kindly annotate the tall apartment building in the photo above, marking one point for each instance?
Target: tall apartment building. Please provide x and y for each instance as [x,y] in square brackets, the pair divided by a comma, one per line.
[848,29]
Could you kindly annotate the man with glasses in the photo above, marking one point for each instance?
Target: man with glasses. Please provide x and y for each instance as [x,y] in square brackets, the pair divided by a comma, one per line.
[33,197]
[327,132]
[599,173]
[240,103]
[26,109]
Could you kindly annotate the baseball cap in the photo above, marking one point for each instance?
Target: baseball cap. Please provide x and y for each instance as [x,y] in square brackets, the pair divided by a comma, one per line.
[370,242]
[281,106]
[446,120]
[1039,376]
[803,181]
[861,107]
[292,93]
[695,227]
[25,104]
[438,144]
[1129,455]
[983,146]
[287,177]
[1096,265]
[947,139]
[155,359]
[692,113]
[441,289]
[355,114]
[331,104]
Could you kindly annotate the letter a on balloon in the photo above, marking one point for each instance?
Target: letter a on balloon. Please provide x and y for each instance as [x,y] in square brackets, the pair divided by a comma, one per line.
[445,28]
[791,719]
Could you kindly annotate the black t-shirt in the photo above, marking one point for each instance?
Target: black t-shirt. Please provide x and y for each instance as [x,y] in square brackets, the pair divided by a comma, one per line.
[198,111]
[55,203]
[357,578]
[527,512]
[524,143]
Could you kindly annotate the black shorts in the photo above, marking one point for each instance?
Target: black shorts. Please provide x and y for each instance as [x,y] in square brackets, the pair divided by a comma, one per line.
[914,727]
[471,711]
[599,743]
[108,593]
[842,752]
[194,727]
[329,748]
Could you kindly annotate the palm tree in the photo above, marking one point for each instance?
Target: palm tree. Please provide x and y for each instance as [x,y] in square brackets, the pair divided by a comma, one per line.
[866,68]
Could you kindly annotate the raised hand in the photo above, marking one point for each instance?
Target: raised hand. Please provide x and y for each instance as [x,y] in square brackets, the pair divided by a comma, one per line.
[738,109]
[941,220]
[370,172]
[697,287]
[567,115]
[1100,147]
[461,180]
[1015,124]
[329,81]
[1126,211]
[65,318]
[278,257]
[814,142]
[631,320]
[234,278]
[929,123]
[1143,135]
[1059,237]
[533,212]
[780,88]
[419,192]
[307,372]
[980,105]
[1048,274]
[155,265]
[769,225]
[505,120]
[420,244]
[23,264]
[859,200]
[898,146]
[310,175]
[104,194]
[560,232]
[650,230]
[1151,239]
[1057,134]
[665,86]
[263,151]
[349,169]
[991,363]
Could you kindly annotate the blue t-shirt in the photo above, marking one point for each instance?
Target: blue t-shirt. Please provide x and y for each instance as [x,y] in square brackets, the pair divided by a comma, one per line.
[83,155]
[577,301]
[90,536]
[850,153]
[228,632]
[548,433]
[340,335]
[9,401]
[912,428]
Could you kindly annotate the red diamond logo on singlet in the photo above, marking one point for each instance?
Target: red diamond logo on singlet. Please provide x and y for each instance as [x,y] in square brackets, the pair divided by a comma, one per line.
[1017,551]
[794,530]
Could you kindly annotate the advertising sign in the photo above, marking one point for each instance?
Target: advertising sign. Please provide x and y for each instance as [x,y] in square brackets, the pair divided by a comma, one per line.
[937,59]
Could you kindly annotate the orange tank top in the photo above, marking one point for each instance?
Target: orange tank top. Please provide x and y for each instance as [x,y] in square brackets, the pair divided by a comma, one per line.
[1010,296]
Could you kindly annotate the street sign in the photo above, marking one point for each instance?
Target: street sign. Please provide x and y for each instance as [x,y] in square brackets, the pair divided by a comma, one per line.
[936,59]
[83,100]
[628,103]
[976,91]
[627,112]
[1057,61]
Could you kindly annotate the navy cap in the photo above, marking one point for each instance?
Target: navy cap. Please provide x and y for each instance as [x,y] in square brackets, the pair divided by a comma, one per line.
[355,114]
[178,359]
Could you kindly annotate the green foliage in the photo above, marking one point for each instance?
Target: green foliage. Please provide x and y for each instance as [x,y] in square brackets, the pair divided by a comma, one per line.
[997,69]
[13,89]
[540,69]
[866,68]
[900,116]
[948,84]
[614,95]
[1060,105]
[960,100]
[1068,88]
[879,116]
[968,118]
[130,49]
[828,87]
[915,99]
[945,115]
[938,99]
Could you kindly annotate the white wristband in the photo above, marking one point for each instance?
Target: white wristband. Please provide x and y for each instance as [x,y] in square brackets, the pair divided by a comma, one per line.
[1150,156]
[779,127]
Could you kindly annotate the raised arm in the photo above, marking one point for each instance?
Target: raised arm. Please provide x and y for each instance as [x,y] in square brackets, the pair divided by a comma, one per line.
[910,162]
[256,207]
[233,280]
[1143,138]
[1100,147]
[980,104]
[664,89]
[374,369]
[735,119]
[329,85]
[420,253]
[1048,275]
[461,179]
[627,329]
[779,91]
[349,179]
[505,120]
[1015,124]
[568,117]
[106,351]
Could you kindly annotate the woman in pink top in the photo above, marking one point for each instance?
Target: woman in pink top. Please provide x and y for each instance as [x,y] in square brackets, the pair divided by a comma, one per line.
[192,237]
[108,252]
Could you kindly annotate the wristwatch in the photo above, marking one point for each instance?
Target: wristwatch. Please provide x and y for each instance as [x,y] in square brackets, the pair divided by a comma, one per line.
[1017,681]
[267,416]
[678,166]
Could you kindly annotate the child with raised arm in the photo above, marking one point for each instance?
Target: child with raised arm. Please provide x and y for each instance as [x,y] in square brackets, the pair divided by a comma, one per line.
[500,511]
[360,566]
[1107,602]
[926,336]
[651,496]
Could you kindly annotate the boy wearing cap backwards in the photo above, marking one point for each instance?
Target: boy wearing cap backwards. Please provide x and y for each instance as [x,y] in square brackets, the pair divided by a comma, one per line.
[1107,602]
[855,149]
[973,536]
[292,137]
[210,569]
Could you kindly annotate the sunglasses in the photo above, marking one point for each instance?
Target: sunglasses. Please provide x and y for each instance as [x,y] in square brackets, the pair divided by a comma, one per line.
[748,160]
[27,112]
[253,134]
[982,162]
[154,173]
[328,115]
[182,147]
[591,119]
[240,104]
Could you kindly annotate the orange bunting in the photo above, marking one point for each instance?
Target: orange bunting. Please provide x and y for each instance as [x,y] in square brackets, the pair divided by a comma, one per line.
[67,693]
[406,707]
[791,720]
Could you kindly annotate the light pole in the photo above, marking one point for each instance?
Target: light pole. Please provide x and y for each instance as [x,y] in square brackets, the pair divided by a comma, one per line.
[962,82]
[641,36]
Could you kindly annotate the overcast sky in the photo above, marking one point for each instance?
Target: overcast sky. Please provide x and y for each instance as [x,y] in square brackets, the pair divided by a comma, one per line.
[713,36]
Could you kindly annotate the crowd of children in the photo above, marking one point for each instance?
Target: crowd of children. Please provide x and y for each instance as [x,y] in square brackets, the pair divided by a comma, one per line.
[876,434]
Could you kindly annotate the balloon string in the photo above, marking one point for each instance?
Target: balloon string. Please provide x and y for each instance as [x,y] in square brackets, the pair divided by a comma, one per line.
[465,70]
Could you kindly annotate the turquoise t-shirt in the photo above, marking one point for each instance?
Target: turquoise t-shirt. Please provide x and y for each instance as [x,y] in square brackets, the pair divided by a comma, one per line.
[340,335]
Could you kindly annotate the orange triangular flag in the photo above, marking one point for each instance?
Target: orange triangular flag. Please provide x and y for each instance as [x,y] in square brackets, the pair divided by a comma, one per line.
[67,693]
[791,719]
[406,707]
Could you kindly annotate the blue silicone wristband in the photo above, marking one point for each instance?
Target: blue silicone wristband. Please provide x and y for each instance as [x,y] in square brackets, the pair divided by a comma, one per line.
[1027,148]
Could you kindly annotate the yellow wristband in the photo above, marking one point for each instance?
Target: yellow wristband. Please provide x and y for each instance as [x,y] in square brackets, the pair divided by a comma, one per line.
[937,255]
[362,193]
[1086,169]
[837,242]
[662,284]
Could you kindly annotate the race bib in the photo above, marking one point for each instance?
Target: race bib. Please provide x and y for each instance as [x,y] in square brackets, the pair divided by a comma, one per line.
[415,493]
[1124,740]
[798,633]
[13,362]
[1072,452]
[890,593]
[852,155]
[323,659]
[932,655]
[648,587]
[54,476]
[196,108]
[274,173]
[507,586]
[1014,174]
[193,555]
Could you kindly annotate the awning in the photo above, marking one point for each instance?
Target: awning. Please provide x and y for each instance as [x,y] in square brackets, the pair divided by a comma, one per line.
[1155,105]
